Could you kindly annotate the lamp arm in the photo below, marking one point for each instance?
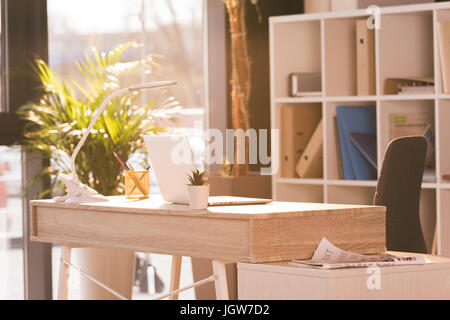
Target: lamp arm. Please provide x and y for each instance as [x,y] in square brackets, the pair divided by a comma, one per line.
[97,114]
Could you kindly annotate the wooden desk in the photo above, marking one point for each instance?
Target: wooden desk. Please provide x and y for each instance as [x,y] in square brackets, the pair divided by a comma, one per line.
[258,233]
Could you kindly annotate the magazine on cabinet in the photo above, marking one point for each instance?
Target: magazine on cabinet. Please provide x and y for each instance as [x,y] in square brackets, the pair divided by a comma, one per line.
[328,256]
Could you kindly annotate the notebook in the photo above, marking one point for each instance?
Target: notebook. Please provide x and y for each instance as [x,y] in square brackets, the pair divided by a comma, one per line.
[366,143]
[355,120]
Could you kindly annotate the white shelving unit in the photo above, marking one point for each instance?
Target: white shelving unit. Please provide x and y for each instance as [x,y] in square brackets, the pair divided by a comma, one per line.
[405,45]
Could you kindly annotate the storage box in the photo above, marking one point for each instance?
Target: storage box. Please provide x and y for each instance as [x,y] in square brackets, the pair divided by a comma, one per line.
[282,281]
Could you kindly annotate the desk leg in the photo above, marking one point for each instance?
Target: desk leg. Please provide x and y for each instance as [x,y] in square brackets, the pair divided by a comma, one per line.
[175,276]
[64,273]
[221,284]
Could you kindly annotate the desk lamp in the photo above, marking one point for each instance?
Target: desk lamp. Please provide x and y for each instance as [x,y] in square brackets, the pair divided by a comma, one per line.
[76,191]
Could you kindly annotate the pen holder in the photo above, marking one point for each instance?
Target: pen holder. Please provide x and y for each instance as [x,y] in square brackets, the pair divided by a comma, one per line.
[137,184]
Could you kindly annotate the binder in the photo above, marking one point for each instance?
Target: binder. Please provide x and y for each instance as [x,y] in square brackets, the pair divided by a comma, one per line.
[310,164]
[444,49]
[359,120]
[338,149]
[366,143]
[347,167]
[298,123]
[365,59]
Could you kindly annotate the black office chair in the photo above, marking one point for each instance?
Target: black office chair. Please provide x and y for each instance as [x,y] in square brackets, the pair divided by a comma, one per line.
[399,189]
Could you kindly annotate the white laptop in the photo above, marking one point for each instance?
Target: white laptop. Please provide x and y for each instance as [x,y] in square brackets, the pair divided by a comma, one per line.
[172,161]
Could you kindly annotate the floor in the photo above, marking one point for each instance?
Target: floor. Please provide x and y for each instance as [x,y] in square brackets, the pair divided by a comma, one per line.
[11,276]
[162,264]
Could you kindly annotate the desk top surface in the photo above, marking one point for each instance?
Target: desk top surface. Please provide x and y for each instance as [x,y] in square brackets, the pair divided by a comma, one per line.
[155,205]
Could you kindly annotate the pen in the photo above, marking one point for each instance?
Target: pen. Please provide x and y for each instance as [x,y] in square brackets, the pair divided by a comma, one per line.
[122,163]
[131,174]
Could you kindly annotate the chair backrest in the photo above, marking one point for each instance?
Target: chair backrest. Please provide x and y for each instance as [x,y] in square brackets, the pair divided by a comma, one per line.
[398,189]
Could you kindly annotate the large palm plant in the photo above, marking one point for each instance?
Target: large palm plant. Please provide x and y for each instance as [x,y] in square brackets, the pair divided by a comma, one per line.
[56,124]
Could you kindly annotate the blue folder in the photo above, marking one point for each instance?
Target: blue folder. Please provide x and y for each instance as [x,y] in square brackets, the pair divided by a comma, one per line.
[355,120]
[366,143]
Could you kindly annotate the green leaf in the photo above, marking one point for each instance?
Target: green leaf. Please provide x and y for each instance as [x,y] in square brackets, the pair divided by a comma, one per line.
[54,125]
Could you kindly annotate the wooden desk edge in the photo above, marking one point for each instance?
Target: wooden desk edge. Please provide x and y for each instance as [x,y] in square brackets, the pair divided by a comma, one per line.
[185,211]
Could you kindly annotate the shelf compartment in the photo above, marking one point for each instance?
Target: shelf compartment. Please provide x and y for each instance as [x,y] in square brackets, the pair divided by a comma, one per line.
[406,46]
[297,123]
[407,97]
[325,99]
[332,139]
[390,108]
[350,195]
[302,181]
[341,56]
[442,15]
[428,215]
[299,193]
[444,138]
[299,100]
[295,47]
[349,98]
[352,183]
[444,232]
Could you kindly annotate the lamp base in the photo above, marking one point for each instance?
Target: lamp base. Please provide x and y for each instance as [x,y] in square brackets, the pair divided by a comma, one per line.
[78,192]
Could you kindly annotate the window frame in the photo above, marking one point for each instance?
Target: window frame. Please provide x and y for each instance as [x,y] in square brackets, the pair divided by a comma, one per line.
[24,37]
[25,21]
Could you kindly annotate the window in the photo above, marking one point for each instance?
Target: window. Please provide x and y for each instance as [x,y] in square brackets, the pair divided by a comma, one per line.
[171,28]
[11,255]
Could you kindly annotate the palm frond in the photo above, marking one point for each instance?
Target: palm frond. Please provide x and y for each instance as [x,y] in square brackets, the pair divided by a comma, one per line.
[55,125]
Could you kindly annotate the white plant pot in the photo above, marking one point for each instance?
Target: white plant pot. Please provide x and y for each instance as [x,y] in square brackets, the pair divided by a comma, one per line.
[198,196]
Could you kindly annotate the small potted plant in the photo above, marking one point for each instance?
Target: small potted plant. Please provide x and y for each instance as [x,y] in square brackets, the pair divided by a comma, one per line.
[198,190]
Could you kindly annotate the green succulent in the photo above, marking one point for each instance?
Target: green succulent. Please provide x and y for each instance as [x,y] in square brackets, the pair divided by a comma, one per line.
[197,178]
[55,125]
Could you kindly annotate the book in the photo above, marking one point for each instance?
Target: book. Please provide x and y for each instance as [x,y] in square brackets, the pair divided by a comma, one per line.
[416,89]
[414,124]
[408,124]
[357,120]
[338,149]
[395,85]
[429,175]
[366,143]
[298,123]
[365,59]
[444,50]
[347,167]
[310,164]
[429,136]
